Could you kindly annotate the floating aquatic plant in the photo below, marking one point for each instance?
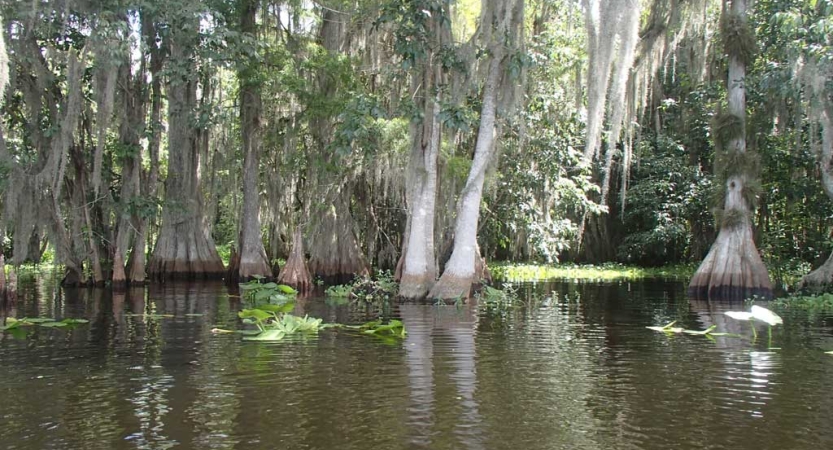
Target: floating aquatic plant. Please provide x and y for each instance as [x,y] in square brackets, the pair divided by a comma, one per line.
[671,329]
[48,322]
[668,328]
[257,293]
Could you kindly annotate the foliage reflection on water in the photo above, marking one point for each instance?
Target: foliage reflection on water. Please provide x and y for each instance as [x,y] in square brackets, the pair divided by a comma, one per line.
[574,369]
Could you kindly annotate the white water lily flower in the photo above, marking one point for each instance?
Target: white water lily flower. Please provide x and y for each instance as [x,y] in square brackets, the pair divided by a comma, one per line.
[739,315]
[765,315]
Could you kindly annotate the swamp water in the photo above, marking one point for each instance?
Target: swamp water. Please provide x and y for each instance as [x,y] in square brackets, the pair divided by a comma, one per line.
[578,370]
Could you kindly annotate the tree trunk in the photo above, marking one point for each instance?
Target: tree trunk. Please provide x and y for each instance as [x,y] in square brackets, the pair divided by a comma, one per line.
[2,272]
[419,266]
[733,269]
[132,110]
[253,261]
[295,272]
[335,254]
[138,258]
[821,279]
[458,276]
[184,248]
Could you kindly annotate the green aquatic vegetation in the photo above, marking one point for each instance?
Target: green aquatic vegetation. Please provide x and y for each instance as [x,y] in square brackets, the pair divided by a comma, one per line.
[668,328]
[380,288]
[286,324]
[274,323]
[147,316]
[270,307]
[805,302]
[48,322]
[257,293]
[495,298]
[671,329]
[339,291]
[603,272]
[394,328]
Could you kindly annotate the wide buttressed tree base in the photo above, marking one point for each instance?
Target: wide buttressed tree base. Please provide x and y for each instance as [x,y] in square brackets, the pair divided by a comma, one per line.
[453,286]
[184,251]
[819,280]
[733,269]
[335,254]
[295,272]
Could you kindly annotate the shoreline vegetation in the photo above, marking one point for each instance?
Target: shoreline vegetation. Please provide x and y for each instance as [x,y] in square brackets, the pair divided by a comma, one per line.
[530,272]
[524,272]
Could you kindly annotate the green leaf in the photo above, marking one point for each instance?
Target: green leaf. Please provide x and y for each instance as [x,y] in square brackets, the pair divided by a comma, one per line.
[37,319]
[268,335]
[257,314]
[284,308]
[54,324]
[262,295]
[248,332]
[278,298]
[10,326]
[287,289]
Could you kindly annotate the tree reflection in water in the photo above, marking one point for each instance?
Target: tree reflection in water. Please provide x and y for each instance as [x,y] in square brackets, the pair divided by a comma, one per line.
[435,335]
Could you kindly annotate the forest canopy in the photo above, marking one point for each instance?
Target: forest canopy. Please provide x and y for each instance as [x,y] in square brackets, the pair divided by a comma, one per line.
[304,140]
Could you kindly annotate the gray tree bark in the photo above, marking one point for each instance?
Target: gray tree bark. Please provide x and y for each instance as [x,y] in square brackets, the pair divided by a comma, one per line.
[733,269]
[184,248]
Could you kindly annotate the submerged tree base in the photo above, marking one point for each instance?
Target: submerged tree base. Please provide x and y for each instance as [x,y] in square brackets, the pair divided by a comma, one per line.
[295,272]
[415,286]
[451,286]
[819,280]
[733,270]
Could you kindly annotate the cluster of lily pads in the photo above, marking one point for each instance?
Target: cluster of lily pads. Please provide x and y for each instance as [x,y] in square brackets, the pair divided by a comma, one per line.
[269,311]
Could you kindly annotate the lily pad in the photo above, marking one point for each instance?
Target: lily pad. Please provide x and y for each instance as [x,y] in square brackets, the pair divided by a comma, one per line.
[256,314]
[286,289]
[268,335]
[37,319]
[285,308]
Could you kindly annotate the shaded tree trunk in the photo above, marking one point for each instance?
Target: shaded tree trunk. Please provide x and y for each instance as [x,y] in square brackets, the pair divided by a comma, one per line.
[733,269]
[138,258]
[253,260]
[335,254]
[132,107]
[821,279]
[184,248]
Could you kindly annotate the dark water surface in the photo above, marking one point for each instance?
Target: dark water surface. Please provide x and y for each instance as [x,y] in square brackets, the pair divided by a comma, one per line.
[577,371]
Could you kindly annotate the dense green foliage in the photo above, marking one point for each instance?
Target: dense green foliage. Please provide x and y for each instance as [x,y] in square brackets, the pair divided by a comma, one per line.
[339,85]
